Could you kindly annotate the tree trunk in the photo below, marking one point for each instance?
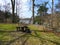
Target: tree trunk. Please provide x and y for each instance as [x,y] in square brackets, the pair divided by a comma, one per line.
[13,9]
[33,11]
[52,13]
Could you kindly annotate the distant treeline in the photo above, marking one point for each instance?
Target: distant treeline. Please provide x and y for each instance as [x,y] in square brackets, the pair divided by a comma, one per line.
[6,17]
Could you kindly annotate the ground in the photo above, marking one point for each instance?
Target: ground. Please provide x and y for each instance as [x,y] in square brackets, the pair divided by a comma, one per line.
[36,37]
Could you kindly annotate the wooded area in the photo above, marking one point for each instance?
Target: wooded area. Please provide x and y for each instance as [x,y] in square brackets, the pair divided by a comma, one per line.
[42,28]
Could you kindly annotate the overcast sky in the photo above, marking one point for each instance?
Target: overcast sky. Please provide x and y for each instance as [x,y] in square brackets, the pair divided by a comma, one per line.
[24,9]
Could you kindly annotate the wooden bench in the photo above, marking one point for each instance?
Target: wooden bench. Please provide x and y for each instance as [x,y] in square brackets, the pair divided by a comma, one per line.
[23,29]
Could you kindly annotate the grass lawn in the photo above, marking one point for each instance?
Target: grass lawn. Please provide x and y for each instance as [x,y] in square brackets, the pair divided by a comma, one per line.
[20,38]
[36,27]
[8,26]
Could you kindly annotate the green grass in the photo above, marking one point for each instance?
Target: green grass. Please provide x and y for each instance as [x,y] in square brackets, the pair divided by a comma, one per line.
[36,27]
[45,40]
[13,27]
[35,38]
[32,27]
[7,26]
[5,36]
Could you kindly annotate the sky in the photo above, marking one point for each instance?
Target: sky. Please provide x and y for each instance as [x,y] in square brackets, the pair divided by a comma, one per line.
[25,7]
